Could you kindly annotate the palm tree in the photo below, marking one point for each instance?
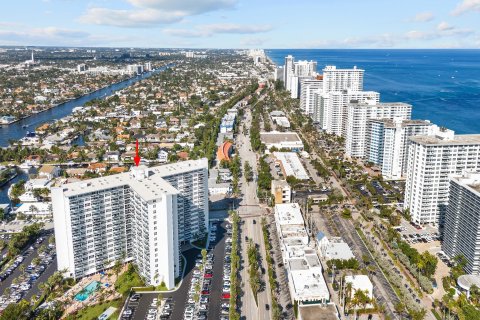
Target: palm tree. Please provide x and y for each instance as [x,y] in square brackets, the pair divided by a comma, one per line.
[474,294]
[348,292]
[399,307]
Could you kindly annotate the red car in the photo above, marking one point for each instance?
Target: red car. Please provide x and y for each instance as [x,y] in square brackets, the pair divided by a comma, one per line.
[226,295]
[205,292]
[208,275]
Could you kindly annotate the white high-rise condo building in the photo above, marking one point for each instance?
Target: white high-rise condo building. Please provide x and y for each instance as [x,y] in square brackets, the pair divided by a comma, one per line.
[356,122]
[141,216]
[342,79]
[387,143]
[278,74]
[330,108]
[308,88]
[431,159]
[304,68]
[461,232]
[288,71]
[294,72]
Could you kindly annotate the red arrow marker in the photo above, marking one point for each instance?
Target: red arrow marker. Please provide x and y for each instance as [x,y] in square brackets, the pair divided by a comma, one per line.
[137,157]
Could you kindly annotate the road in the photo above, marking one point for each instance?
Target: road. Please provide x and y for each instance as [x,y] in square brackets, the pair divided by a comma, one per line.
[216,288]
[383,292]
[250,210]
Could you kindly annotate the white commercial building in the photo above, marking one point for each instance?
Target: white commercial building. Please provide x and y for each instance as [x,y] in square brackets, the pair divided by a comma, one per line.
[304,271]
[358,116]
[461,232]
[291,165]
[281,191]
[282,140]
[387,143]
[141,216]
[334,248]
[360,282]
[431,160]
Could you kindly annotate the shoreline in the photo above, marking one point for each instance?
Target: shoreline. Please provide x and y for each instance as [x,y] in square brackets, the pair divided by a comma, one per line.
[66,101]
[85,94]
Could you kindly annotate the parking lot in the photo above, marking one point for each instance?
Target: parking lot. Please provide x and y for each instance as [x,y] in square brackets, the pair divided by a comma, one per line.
[27,273]
[414,234]
[213,284]
[140,308]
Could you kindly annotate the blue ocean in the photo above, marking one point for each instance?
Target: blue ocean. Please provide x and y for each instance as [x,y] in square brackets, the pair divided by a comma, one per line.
[442,85]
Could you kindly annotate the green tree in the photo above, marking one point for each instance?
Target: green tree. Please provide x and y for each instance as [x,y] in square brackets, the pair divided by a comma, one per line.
[17,311]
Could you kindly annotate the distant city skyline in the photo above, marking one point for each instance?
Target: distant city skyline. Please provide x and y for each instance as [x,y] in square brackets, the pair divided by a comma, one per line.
[242,23]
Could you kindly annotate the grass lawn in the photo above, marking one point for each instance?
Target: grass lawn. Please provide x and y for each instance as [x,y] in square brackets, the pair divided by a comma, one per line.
[128,279]
[92,312]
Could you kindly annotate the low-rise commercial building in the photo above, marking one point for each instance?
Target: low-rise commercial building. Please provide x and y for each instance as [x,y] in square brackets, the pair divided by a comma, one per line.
[281,191]
[282,140]
[291,165]
[304,271]
[360,282]
[334,248]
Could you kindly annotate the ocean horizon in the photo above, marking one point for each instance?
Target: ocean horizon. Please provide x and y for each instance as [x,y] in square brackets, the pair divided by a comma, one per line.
[443,85]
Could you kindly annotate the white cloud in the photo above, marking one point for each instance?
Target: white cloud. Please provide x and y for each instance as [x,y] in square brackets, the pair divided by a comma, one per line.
[465,6]
[189,7]
[43,36]
[423,17]
[252,41]
[129,18]
[211,29]
[444,30]
[146,13]
[376,41]
[443,26]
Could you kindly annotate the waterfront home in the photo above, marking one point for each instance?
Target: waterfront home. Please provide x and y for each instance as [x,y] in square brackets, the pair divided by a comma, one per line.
[49,172]
[118,169]
[97,167]
[162,156]
[112,156]
[35,209]
[33,160]
[76,172]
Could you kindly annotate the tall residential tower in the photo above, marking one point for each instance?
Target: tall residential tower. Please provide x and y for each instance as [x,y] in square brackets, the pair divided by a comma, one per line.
[141,216]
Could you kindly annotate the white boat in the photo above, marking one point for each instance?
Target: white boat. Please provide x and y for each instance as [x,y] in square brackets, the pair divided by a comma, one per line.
[25,166]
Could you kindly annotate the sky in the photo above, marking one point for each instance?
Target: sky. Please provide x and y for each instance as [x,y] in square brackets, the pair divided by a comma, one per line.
[242,23]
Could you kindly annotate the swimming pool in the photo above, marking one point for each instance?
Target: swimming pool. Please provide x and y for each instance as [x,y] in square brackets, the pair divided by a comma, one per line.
[87,291]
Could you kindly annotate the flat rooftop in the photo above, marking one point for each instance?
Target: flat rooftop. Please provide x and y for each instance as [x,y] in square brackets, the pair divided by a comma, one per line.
[309,283]
[459,139]
[315,312]
[391,122]
[288,214]
[278,137]
[291,165]
[469,179]
[148,188]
